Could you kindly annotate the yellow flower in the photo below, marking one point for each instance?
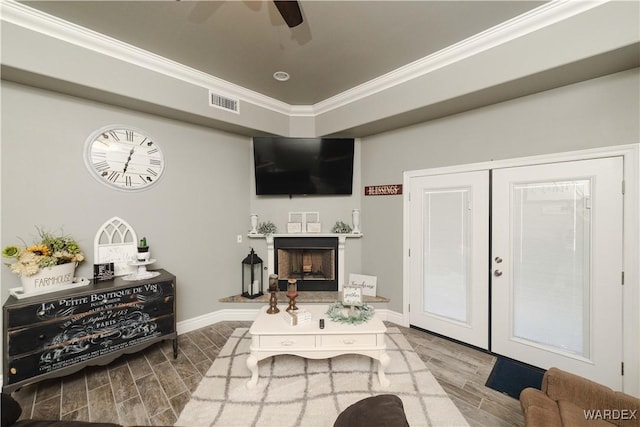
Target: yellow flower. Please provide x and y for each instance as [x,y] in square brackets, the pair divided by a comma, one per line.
[39,250]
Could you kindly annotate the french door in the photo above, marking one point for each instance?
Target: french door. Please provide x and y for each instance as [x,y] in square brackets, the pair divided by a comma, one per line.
[449,216]
[554,268]
[557,266]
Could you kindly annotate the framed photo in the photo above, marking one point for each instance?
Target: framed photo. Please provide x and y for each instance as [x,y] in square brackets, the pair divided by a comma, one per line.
[314,227]
[368,283]
[294,227]
[104,271]
[351,295]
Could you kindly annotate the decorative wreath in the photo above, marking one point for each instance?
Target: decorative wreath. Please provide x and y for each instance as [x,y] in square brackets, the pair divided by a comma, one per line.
[340,313]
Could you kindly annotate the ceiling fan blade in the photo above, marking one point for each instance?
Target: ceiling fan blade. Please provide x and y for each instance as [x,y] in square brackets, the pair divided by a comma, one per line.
[290,11]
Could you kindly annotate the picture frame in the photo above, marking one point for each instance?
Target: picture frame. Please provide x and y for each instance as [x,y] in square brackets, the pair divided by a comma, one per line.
[314,227]
[294,227]
[368,283]
[103,271]
[352,295]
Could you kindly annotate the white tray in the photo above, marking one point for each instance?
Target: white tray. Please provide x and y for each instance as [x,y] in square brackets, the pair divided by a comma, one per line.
[19,292]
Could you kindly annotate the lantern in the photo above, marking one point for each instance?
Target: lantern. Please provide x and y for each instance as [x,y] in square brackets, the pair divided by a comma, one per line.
[252,276]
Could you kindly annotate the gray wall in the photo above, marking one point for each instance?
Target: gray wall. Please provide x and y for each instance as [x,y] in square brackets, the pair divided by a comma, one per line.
[595,113]
[191,218]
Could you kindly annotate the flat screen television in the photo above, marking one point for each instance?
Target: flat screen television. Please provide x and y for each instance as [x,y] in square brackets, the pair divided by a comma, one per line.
[287,166]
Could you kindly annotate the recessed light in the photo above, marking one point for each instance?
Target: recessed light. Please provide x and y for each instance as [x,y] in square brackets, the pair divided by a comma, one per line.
[281,76]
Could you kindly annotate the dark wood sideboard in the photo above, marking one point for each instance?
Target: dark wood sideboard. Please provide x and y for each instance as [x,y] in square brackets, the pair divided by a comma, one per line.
[58,333]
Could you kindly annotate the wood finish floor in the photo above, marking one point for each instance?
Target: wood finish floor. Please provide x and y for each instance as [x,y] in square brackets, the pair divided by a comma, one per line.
[151,388]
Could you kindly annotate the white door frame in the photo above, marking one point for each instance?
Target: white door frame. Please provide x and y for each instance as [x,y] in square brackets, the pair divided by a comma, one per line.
[631,239]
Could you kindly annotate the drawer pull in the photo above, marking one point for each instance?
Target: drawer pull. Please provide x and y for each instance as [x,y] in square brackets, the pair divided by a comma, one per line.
[13,371]
[287,343]
[349,341]
[41,337]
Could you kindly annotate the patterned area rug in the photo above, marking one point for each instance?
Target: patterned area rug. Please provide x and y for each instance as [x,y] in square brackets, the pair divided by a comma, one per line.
[293,391]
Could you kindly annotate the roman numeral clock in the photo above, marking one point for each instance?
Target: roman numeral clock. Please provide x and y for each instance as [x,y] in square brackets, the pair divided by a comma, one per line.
[124,158]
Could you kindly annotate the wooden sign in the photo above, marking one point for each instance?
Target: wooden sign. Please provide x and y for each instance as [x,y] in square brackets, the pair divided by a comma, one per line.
[383,190]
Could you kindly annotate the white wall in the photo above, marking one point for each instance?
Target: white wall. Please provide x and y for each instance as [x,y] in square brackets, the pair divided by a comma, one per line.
[191,218]
[595,113]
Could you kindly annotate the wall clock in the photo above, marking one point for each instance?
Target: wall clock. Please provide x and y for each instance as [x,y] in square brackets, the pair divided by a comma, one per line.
[124,158]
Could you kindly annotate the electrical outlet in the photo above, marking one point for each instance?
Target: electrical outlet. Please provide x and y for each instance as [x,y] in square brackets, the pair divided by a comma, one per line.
[239,238]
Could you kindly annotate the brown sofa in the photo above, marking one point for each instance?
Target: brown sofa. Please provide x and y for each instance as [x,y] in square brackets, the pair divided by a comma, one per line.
[569,400]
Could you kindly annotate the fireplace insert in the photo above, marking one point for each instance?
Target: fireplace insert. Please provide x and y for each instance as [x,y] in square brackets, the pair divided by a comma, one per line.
[312,261]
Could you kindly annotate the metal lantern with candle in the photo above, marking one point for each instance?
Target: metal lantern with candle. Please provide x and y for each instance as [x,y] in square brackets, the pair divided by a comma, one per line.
[252,276]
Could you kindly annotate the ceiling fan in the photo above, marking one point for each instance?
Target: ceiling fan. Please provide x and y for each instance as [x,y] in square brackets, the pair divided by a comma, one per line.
[290,11]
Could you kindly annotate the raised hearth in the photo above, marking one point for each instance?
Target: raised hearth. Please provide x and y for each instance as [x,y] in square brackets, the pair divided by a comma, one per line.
[303,297]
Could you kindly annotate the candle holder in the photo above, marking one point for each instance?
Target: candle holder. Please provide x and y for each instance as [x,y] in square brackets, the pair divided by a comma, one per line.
[273,289]
[292,293]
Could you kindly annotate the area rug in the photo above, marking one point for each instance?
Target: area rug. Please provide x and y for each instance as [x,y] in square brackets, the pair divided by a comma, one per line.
[293,391]
[511,377]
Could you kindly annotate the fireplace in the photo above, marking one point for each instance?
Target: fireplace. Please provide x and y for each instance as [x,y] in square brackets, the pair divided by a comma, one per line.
[312,261]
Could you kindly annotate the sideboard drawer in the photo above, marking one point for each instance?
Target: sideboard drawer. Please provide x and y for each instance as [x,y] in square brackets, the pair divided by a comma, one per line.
[284,341]
[66,307]
[355,340]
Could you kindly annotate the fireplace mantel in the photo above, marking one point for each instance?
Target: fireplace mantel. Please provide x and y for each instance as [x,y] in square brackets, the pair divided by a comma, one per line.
[342,239]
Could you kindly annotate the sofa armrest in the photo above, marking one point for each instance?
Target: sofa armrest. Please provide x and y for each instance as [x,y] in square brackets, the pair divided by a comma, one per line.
[538,409]
[587,394]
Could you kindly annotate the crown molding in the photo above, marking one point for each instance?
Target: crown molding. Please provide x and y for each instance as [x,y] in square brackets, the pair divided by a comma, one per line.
[548,14]
[35,20]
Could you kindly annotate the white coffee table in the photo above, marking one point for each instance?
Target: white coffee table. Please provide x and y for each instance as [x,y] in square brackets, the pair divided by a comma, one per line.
[271,335]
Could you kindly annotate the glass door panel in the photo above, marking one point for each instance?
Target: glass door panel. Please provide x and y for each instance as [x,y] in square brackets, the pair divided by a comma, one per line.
[551,249]
[446,253]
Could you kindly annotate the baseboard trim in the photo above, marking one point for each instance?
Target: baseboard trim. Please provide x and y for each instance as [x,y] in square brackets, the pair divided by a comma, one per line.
[214,317]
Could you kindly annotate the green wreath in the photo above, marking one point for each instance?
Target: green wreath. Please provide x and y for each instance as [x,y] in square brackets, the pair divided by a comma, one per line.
[340,313]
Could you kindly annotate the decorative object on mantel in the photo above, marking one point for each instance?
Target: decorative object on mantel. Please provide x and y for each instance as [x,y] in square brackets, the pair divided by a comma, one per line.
[355,217]
[338,312]
[267,228]
[273,289]
[143,250]
[116,242]
[292,293]
[306,222]
[254,224]
[341,228]
[252,276]
[46,266]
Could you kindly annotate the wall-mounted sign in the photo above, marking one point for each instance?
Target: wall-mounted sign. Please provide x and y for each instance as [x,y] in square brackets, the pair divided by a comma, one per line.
[383,190]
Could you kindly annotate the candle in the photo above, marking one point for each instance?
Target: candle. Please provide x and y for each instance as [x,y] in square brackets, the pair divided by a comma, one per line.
[292,288]
[273,283]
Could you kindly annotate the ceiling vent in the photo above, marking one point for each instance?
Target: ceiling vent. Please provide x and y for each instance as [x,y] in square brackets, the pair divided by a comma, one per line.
[224,102]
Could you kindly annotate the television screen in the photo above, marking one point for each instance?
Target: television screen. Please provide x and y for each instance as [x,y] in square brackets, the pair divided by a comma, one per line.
[303,165]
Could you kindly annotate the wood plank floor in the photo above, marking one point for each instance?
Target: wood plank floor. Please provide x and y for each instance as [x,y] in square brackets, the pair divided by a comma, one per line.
[151,388]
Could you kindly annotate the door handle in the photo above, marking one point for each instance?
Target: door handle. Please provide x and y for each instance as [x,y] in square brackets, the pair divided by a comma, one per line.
[497,273]
[498,260]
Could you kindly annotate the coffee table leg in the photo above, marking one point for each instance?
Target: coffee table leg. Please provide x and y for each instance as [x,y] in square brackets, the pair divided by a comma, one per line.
[252,364]
[383,362]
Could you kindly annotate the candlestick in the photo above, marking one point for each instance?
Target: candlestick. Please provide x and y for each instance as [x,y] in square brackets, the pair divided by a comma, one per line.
[273,300]
[292,293]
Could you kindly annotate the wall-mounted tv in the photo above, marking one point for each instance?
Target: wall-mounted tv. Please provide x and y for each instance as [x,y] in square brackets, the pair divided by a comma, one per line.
[287,166]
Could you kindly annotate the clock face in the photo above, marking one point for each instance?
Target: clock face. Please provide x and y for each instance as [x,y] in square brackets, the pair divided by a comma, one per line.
[124,158]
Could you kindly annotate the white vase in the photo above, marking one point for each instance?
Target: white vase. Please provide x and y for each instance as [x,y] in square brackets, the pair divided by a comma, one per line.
[254,224]
[50,278]
[355,216]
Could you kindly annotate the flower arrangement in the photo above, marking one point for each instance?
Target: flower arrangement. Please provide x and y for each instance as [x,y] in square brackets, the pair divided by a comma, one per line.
[341,227]
[267,227]
[339,313]
[49,251]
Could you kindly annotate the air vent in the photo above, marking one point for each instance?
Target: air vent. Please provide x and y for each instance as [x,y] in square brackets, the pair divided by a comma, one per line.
[224,102]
